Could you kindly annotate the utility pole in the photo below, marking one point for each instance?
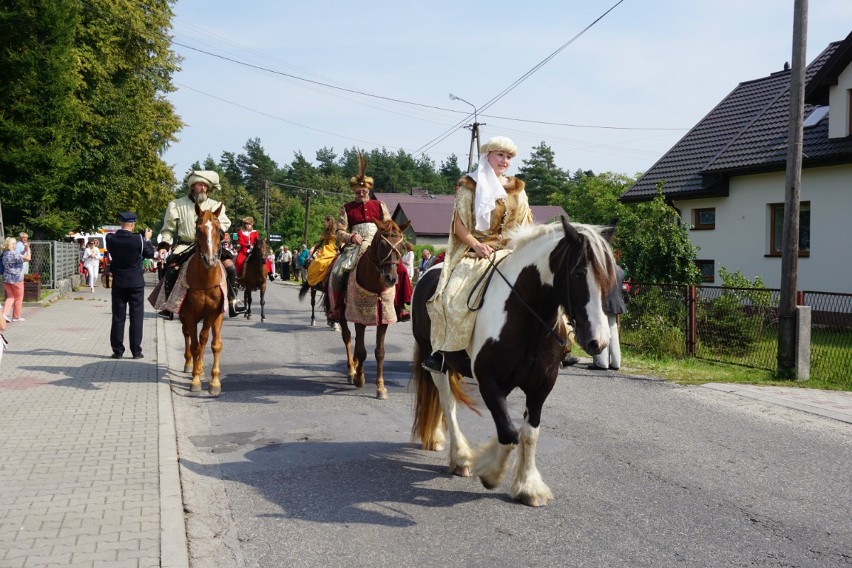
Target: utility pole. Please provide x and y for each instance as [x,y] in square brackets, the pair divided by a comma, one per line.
[474,132]
[307,214]
[792,187]
[266,206]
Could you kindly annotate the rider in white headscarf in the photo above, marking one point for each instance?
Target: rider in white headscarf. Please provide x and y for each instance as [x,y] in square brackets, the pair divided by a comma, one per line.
[488,204]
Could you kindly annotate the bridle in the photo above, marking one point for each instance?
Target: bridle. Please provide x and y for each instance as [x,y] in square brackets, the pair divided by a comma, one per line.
[569,305]
[389,259]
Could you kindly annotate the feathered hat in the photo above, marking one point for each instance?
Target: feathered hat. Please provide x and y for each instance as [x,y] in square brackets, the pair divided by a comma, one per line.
[361,180]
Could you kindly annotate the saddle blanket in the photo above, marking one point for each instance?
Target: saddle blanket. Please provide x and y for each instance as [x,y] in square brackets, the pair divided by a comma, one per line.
[369,308]
[175,300]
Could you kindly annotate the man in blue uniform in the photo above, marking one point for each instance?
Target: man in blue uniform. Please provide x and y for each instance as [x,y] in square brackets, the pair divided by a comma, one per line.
[126,250]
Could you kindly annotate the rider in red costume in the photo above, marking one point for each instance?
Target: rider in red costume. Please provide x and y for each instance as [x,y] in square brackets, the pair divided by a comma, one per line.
[246,239]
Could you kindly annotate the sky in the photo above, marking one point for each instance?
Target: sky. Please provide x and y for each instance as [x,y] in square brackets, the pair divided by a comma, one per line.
[305,75]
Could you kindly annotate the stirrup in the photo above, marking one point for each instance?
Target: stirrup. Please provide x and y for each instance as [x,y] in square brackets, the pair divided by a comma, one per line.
[435,363]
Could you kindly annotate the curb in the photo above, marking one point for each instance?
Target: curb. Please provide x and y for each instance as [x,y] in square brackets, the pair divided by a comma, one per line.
[174,549]
[767,396]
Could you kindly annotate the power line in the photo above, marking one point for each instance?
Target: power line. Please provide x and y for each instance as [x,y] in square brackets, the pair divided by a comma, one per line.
[518,81]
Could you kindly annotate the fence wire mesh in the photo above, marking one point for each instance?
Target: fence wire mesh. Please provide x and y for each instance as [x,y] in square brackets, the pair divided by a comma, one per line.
[737,326]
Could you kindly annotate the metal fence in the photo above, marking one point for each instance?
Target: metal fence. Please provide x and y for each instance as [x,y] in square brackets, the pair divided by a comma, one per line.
[54,261]
[736,325]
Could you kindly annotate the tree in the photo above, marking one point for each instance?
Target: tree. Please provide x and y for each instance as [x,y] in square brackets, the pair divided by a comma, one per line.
[40,114]
[450,173]
[654,245]
[541,176]
[593,198]
[126,67]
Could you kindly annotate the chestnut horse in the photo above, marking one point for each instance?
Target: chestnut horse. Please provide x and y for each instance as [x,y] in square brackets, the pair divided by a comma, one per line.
[254,277]
[204,302]
[376,273]
[518,342]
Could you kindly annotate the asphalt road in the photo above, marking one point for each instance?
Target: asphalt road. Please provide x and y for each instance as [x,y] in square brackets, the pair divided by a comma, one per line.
[292,466]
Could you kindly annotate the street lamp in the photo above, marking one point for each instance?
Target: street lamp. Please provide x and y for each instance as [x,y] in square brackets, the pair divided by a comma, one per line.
[474,130]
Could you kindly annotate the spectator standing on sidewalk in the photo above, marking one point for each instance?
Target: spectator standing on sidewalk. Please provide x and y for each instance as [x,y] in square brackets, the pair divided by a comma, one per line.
[286,259]
[24,243]
[613,306]
[126,250]
[13,278]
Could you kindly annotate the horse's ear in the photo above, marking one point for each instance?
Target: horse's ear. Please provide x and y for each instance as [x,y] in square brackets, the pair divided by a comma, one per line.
[218,209]
[609,231]
[404,226]
[569,229]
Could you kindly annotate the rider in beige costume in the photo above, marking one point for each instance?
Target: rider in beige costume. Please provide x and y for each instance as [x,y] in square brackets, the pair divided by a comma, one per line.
[488,204]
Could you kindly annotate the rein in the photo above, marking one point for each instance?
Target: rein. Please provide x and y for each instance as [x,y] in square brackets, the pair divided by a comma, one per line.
[494,268]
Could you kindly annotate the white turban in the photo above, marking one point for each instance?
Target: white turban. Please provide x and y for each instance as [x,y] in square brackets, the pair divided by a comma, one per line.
[208,177]
[488,186]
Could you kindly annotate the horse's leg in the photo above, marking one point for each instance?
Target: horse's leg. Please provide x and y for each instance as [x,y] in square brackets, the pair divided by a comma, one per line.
[381,391]
[461,455]
[527,484]
[492,458]
[198,352]
[262,301]
[215,387]
[313,307]
[360,355]
[190,335]
[187,348]
[346,335]
[247,301]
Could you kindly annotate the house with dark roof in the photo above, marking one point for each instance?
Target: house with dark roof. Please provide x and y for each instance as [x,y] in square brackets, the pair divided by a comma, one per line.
[431,215]
[726,177]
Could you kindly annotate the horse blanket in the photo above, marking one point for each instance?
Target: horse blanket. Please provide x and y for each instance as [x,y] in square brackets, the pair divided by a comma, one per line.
[175,300]
[369,308]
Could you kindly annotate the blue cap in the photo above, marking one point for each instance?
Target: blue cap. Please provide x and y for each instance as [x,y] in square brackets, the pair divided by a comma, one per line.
[127,217]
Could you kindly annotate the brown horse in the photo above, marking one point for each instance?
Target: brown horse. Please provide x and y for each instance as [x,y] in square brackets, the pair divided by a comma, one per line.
[375,273]
[204,302]
[254,277]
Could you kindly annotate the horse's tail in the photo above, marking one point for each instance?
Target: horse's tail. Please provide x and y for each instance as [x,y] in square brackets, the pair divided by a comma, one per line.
[428,415]
[303,291]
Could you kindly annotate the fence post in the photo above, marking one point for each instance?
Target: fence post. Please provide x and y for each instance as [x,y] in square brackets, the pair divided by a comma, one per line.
[691,320]
[803,343]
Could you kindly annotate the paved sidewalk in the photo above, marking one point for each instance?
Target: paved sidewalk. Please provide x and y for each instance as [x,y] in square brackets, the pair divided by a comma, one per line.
[88,455]
[88,458]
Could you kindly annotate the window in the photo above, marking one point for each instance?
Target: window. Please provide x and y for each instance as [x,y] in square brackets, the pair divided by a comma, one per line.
[815,117]
[849,112]
[707,269]
[776,229]
[704,219]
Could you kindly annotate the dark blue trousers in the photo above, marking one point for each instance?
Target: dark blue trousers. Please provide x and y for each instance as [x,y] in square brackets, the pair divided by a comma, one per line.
[122,300]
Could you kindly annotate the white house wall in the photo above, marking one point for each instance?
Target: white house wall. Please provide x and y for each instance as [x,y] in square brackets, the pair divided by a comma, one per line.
[741,237]
[838,102]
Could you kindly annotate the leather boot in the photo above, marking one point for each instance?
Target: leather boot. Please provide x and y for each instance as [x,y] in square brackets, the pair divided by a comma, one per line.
[435,363]
[234,308]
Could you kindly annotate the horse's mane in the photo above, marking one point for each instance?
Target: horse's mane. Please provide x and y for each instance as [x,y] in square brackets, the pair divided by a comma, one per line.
[599,247]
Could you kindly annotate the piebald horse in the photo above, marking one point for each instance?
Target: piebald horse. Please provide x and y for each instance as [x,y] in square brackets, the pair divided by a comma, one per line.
[518,342]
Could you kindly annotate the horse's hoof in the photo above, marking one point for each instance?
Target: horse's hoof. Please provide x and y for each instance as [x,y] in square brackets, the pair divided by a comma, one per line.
[214,391]
[187,368]
[487,484]
[262,318]
[532,500]
[462,471]
[195,387]
[358,382]
[382,394]
[313,323]
[351,379]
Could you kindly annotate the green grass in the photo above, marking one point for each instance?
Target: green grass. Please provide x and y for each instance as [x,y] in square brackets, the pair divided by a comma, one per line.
[691,371]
